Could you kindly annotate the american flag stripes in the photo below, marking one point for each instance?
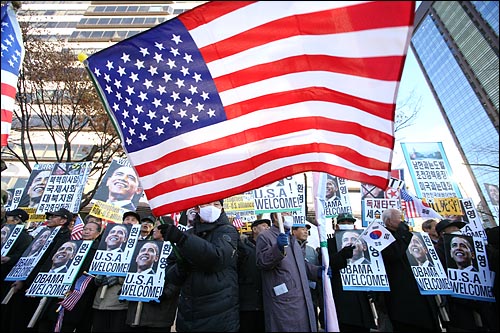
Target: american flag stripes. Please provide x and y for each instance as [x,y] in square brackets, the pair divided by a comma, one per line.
[70,301]
[81,284]
[414,207]
[76,233]
[231,95]
[237,222]
[12,58]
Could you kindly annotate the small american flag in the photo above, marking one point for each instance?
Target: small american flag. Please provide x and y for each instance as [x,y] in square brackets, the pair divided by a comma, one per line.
[415,207]
[237,222]
[70,301]
[12,58]
[77,232]
[233,95]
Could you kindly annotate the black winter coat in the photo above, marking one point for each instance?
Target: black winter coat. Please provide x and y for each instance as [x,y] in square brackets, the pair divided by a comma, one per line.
[206,271]
[249,277]
[353,307]
[404,302]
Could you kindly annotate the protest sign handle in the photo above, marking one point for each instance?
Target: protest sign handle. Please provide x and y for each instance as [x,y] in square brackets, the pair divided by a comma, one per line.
[137,319]
[442,309]
[9,296]
[374,312]
[38,311]
[103,291]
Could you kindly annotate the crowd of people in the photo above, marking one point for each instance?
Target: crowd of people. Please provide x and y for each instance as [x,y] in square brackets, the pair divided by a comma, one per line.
[217,279]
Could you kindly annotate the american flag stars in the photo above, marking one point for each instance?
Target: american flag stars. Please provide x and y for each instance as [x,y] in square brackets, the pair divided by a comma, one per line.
[157,92]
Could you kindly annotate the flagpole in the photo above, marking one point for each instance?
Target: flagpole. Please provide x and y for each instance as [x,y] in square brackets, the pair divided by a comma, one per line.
[331,320]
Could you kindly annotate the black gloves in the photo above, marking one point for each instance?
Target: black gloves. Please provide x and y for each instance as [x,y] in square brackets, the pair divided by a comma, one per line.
[112,280]
[171,233]
[346,252]
[102,280]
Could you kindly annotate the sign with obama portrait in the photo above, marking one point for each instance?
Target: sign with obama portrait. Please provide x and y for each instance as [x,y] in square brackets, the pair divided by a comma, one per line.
[146,278]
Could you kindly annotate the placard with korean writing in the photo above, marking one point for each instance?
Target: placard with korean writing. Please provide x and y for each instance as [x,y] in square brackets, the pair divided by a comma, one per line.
[65,187]
[115,250]
[373,209]
[430,170]
[146,278]
[66,263]
[426,267]
[467,267]
[32,254]
[336,197]
[10,233]
[365,270]
[474,226]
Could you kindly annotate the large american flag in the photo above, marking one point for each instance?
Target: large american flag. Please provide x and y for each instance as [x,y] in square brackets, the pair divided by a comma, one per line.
[12,58]
[415,207]
[234,95]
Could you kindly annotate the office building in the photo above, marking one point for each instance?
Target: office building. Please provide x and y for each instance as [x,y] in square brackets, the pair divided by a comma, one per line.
[456,45]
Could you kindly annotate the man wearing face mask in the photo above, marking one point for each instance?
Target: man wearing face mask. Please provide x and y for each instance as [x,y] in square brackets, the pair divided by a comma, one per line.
[288,305]
[204,266]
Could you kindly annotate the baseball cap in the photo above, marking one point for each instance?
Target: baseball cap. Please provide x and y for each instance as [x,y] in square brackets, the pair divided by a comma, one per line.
[131,213]
[19,213]
[443,224]
[149,218]
[345,217]
[257,222]
[301,225]
[62,212]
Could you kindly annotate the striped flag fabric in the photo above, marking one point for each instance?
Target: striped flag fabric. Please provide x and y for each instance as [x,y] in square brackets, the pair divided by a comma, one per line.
[77,232]
[233,95]
[12,58]
[69,302]
[414,207]
[237,222]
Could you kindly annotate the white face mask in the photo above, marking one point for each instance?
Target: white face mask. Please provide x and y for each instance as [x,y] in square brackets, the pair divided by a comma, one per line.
[210,213]
[456,233]
[288,221]
[346,226]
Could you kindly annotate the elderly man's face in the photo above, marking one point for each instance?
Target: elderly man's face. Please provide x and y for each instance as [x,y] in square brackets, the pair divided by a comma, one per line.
[461,251]
[116,237]
[123,184]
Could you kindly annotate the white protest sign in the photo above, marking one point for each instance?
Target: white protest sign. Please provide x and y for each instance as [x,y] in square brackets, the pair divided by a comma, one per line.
[365,271]
[115,250]
[146,278]
[58,282]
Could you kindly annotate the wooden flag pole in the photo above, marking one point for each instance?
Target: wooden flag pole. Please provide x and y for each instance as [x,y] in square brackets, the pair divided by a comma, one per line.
[38,311]
[8,296]
[138,311]
[103,291]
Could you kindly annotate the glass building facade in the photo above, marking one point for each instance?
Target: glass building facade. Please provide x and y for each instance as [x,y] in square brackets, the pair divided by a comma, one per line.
[456,45]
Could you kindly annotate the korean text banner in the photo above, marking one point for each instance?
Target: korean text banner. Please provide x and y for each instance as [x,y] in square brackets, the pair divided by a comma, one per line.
[233,95]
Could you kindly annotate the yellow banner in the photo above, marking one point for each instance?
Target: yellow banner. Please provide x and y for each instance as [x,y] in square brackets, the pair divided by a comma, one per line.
[34,217]
[107,211]
[447,206]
